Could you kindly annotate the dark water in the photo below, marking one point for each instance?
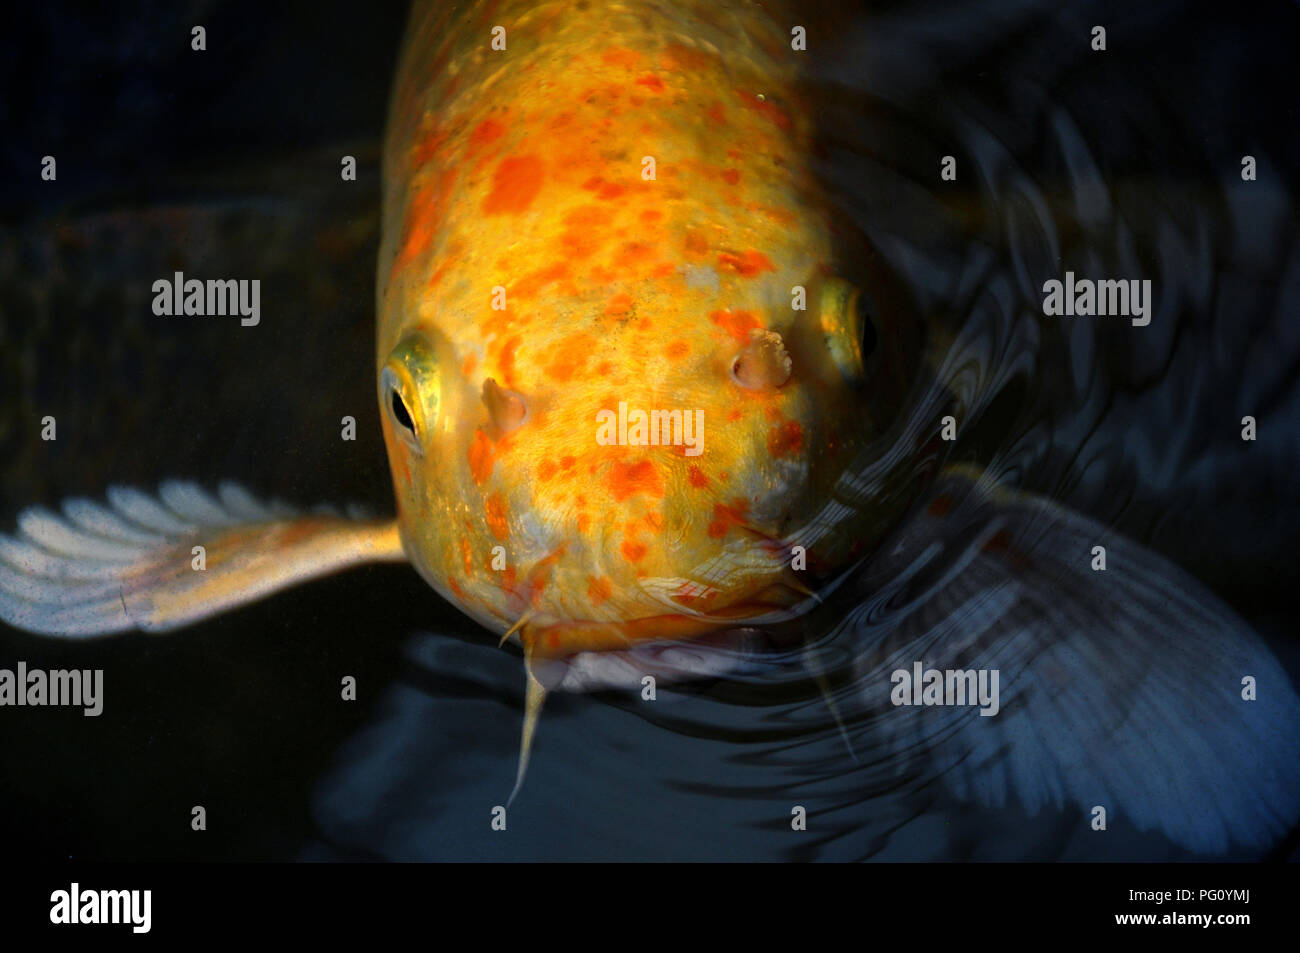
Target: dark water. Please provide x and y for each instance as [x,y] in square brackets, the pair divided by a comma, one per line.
[1123,163]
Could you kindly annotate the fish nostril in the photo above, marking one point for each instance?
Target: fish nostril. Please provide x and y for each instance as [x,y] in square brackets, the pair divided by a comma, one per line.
[763,363]
[507,409]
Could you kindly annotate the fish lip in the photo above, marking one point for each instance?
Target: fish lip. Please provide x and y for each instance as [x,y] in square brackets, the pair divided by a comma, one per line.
[718,654]
[562,637]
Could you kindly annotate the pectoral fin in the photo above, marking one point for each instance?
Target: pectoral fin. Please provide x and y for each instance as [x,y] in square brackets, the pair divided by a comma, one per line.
[135,563]
[1120,687]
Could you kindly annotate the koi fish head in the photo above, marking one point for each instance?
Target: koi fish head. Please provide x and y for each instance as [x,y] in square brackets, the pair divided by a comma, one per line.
[627,486]
[617,375]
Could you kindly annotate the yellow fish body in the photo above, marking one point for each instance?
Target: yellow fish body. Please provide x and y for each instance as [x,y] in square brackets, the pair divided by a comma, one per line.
[616,372]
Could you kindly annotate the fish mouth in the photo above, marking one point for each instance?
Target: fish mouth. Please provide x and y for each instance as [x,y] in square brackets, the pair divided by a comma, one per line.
[563,637]
[719,654]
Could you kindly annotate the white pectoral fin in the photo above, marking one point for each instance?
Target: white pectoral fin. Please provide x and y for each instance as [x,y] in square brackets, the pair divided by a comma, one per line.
[1119,688]
[161,563]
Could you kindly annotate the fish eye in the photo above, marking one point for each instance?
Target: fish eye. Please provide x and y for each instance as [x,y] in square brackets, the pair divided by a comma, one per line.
[400,413]
[410,390]
[866,313]
[850,328]
[390,383]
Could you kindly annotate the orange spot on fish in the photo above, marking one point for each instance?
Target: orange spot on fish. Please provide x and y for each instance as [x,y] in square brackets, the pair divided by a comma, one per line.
[584,521]
[716,115]
[426,213]
[506,360]
[619,304]
[515,184]
[455,588]
[570,356]
[566,463]
[651,82]
[545,470]
[697,478]
[632,253]
[735,323]
[651,215]
[785,440]
[725,517]
[697,246]
[781,215]
[604,190]
[467,366]
[599,589]
[747,265]
[466,556]
[677,350]
[625,479]
[486,132]
[480,457]
[428,147]
[540,574]
[621,56]
[731,176]
[494,508]
[583,234]
[534,281]
[679,56]
[633,552]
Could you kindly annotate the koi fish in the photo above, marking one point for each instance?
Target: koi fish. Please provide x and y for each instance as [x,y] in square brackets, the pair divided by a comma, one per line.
[603,249]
